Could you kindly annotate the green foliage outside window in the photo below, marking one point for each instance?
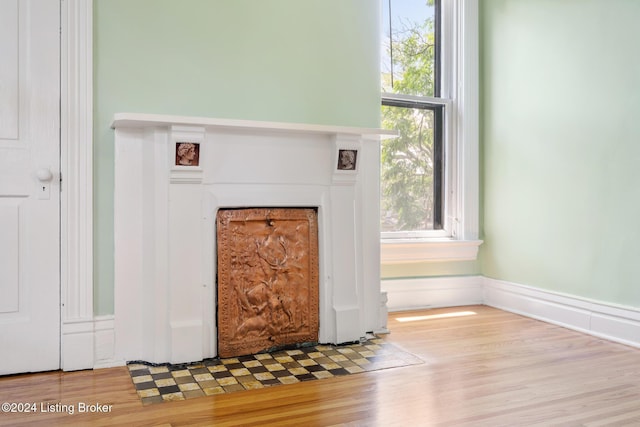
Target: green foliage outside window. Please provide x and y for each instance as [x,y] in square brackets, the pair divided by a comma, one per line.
[407,161]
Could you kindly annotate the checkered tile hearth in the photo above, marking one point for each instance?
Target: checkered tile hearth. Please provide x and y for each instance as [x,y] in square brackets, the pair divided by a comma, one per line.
[162,383]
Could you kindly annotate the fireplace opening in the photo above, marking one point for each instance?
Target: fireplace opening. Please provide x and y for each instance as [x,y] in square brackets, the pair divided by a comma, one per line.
[268,280]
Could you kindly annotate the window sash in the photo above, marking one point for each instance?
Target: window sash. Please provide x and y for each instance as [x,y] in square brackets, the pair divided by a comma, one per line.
[438,105]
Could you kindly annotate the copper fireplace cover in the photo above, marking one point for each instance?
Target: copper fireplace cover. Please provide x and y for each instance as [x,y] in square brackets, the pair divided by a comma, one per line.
[267,279]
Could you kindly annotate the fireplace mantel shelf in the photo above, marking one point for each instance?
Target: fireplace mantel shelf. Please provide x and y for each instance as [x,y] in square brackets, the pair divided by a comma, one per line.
[140,120]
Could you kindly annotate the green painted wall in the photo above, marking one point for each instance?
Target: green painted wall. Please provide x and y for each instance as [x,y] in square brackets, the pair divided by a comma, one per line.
[558,116]
[561,145]
[280,60]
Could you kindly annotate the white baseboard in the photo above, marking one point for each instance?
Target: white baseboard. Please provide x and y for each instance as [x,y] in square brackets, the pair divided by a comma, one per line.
[77,345]
[186,341]
[104,343]
[608,321]
[413,294]
[88,344]
[603,320]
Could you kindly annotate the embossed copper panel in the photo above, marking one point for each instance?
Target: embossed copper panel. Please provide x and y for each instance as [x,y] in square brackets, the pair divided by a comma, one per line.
[267,279]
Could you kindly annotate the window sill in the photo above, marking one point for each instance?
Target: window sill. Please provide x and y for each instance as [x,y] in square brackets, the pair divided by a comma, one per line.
[398,251]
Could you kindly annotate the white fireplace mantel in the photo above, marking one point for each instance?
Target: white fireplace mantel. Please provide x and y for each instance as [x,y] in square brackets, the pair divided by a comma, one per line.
[164,220]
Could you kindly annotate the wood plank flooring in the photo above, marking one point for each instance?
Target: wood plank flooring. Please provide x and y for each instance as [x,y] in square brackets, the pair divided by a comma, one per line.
[483,367]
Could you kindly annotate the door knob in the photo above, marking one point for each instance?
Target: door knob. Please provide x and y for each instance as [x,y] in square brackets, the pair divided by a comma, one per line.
[44,175]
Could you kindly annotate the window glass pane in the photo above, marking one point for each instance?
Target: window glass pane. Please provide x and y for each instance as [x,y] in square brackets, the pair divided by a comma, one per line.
[408,47]
[409,198]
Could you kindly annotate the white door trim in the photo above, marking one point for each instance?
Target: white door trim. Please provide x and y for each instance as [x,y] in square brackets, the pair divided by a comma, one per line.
[77,320]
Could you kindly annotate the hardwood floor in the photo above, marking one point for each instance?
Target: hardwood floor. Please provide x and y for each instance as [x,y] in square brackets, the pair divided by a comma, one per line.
[483,367]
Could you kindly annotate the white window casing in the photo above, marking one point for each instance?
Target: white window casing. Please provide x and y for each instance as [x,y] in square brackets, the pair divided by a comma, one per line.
[459,238]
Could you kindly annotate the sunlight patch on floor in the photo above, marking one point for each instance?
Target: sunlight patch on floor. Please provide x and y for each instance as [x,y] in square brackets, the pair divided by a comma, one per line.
[436,316]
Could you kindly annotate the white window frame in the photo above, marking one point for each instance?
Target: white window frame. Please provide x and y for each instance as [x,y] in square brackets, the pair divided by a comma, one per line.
[447,223]
[458,240]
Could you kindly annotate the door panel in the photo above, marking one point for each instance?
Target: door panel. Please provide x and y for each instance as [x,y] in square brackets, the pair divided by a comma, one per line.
[9,259]
[9,69]
[29,186]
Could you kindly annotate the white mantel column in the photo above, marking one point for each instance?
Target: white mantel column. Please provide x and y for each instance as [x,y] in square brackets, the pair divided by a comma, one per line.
[187,288]
[346,242]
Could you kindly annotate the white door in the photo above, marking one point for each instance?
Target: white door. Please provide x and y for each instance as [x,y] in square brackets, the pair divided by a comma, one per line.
[29,185]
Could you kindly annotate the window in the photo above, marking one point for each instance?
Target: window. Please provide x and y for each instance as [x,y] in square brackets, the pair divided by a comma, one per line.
[412,168]
[429,173]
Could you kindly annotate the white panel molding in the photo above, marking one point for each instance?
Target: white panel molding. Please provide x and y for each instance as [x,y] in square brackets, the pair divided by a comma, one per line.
[77,345]
[186,340]
[9,72]
[608,321]
[89,344]
[432,292]
[104,342]
[77,184]
[9,257]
